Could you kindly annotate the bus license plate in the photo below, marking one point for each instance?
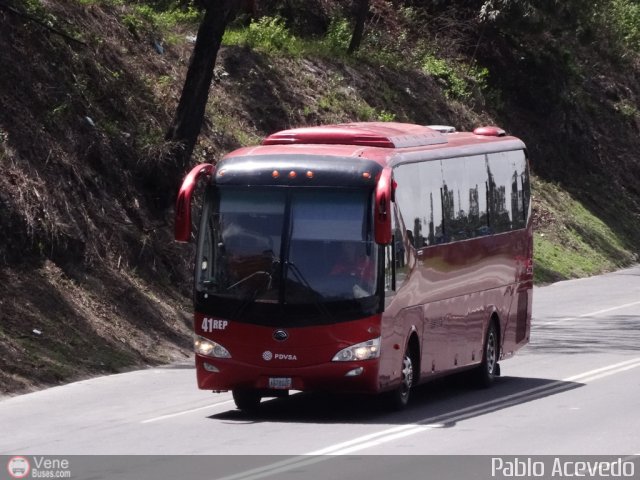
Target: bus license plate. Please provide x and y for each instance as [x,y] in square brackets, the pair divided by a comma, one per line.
[280,383]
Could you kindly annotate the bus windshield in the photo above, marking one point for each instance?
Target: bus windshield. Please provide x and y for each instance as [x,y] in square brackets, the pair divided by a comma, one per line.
[295,247]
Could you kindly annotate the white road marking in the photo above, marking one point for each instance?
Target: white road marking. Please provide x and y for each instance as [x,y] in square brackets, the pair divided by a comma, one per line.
[588,376]
[184,412]
[384,436]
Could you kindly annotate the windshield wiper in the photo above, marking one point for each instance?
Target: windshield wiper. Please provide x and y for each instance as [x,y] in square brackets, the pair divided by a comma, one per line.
[314,295]
[256,292]
[258,272]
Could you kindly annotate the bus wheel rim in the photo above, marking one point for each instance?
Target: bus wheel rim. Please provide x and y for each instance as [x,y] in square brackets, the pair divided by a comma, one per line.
[407,375]
[491,352]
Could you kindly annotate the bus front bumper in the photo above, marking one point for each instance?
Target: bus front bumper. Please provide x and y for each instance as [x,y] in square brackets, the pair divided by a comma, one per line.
[343,377]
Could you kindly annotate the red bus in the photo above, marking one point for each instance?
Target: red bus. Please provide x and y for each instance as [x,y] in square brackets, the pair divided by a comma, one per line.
[360,258]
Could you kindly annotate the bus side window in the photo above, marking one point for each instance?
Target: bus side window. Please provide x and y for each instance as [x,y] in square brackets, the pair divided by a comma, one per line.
[389,267]
[389,260]
[395,258]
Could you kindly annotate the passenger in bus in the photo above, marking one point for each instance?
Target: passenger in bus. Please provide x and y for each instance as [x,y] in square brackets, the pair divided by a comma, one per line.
[353,262]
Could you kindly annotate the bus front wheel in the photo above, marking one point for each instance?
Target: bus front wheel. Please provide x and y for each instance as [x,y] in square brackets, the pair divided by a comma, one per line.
[399,398]
[246,400]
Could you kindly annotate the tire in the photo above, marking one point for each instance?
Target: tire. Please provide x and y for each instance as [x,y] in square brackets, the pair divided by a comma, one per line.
[246,400]
[399,398]
[489,369]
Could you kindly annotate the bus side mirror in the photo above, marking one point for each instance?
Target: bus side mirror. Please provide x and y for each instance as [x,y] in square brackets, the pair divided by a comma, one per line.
[382,209]
[183,203]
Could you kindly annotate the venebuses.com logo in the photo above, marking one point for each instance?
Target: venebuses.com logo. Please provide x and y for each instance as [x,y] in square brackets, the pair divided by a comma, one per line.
[38,467]
[18,467]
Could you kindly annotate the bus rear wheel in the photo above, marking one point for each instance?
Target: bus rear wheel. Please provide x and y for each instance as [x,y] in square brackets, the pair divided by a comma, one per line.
[489,369]
[246,400]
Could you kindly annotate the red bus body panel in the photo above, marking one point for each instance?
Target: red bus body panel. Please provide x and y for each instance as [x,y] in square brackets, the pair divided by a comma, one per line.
[451,294]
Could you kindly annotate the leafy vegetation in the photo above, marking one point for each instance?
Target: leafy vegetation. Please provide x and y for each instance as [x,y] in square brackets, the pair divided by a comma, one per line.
[570,241]
[143,19]
[271,34]
[458,78]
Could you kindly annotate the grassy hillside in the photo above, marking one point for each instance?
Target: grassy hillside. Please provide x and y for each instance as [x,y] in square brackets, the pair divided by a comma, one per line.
[91,281]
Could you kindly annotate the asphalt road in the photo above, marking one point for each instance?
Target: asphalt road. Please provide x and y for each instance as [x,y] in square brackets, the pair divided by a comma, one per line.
[573,391]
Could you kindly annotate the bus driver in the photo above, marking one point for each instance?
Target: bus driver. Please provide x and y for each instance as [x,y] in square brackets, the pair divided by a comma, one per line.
[353,262]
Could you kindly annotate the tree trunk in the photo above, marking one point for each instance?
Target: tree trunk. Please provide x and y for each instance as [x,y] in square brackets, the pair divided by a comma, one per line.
[358,30]
[187,122]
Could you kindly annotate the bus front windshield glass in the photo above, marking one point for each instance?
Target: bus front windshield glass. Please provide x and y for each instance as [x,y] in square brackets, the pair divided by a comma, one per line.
[239,250]
[297,247]
[331,252]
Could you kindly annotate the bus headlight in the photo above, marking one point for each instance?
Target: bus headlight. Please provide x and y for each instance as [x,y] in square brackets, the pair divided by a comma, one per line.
[360,351]
[209,348]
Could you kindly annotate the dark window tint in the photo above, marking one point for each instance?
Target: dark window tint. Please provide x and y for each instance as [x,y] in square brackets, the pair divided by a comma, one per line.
[462,198]
[507,191]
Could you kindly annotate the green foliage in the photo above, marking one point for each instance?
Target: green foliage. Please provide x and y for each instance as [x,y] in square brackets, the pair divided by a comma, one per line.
[337,100]
[167,19]
[441,69]
[574,242]
[338,35]
[33,7]
[625,21]
[491,10]
[36,9]
[459,79]
[144,18]
[270,34]
[112,3]
[134,23]
[341,103]
[231,130]
[234,36]
[627,109]
[607,23]
[411,15]
[59,113]
[384,116]
[397,50]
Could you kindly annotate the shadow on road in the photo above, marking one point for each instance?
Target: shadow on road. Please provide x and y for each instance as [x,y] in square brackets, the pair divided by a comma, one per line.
[441,403]
[582,335]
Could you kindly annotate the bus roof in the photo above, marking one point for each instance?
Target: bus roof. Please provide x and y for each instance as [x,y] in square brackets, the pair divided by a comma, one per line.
[378,134]
[387,143]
